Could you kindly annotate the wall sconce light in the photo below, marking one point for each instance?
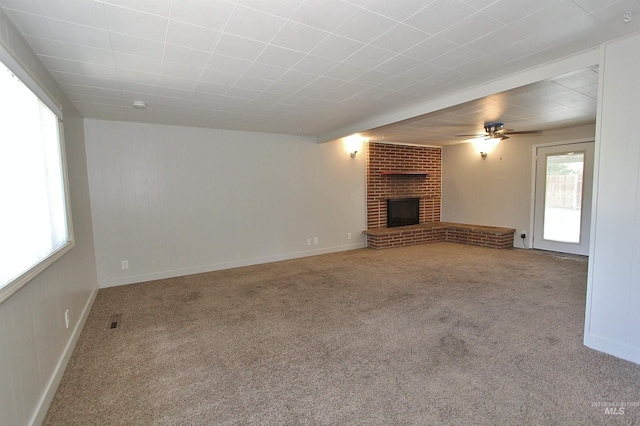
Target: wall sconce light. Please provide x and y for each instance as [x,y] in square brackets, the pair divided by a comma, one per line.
[353,143]
[485,145]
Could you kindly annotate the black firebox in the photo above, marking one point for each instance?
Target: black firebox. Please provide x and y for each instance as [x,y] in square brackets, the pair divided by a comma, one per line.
[403,211]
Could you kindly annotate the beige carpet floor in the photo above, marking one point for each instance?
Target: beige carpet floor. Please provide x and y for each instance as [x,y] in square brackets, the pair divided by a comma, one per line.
[424,335]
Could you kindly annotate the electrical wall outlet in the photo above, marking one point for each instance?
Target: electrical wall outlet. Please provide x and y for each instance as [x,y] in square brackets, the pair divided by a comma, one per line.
[125,264]
[349,236]
[523,235]
[315,240]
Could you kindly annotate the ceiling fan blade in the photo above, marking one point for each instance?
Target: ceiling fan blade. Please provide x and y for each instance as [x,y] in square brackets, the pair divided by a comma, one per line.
[478,135]
[525,132]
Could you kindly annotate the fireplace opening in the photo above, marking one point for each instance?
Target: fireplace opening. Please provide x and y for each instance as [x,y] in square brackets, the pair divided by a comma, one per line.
[403,211]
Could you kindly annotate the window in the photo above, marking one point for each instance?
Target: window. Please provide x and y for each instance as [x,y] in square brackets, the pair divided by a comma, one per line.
[34,220]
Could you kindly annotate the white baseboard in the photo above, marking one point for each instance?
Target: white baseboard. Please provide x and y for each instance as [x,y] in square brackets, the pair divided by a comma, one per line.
[51,387]
[132,279]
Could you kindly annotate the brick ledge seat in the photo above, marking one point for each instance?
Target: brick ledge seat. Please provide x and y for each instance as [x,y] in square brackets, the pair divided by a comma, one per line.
[433,232]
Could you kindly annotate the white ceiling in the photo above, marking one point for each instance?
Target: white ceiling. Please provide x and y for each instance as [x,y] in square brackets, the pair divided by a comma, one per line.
[313,66]
[564,101]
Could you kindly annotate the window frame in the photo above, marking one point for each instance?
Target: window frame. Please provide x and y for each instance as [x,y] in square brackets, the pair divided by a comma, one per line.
[20,281]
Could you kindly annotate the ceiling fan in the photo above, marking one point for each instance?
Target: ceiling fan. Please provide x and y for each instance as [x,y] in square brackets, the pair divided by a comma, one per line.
[497,131]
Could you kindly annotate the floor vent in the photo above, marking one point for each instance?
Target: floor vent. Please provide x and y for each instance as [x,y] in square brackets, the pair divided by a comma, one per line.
[115,321]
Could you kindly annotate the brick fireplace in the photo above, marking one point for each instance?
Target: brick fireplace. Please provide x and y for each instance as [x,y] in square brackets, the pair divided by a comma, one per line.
[402,171]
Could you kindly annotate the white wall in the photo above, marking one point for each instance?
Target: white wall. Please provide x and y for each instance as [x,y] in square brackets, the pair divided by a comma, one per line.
[613,294]
[180,200]
[496,191]
[35,345]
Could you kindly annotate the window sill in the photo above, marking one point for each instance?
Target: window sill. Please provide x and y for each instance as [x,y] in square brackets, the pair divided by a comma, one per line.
[20,281]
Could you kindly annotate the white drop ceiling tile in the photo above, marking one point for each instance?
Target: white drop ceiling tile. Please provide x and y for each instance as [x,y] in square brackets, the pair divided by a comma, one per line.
[594,5]
[282,8]
[21,5]
[523,48]
[369,57]
[280,88]
[182,71]
[77,67]
[613,16]
[214,99]
[337,48]
[400,38]
[491,43]
[423,72]
[238,47]
[562,13]
[210,14]
[272,98]
[310,92]
[212,88]
[398,65]
[479,4]
[164,94]
[365,26]
[137,63]
[174,88]
[173,82]
[315,64]
[140,77]
[471,28]
[87,54]
[280,57]
[192,36]
[440,15]
[30,24]
[585,24]
[346,72]
[210,75]
[96,100]
[398,83]
[136,24]
[253,24]
[372,78]
[242,93]
[336,97]
[298,78]
[83,80]
[252,83]
[265,72]
[44,46]
[140,88]
[185,56]
[326,84]
[351,89]
[298,37]
[89,91]
[78,34]
[326,15]
[156,7]
[398,10]
[137,46]
[89,13]
[509,11]
[430,48]
[228,64]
